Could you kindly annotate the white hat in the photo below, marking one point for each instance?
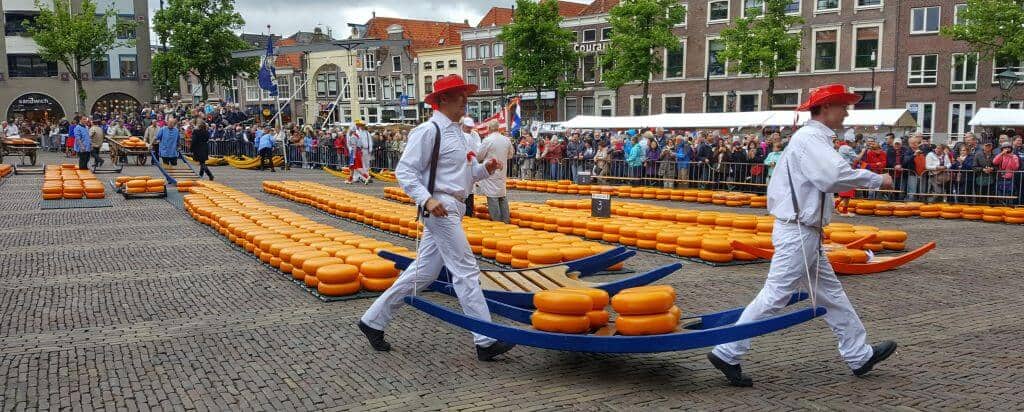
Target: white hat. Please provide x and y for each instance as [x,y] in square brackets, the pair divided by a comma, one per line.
[468,121]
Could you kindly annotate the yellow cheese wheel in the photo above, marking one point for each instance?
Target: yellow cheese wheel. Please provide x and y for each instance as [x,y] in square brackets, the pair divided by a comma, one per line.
[519,263]
[137,183]
[716,245]
[299,258]
[310,266]
[843,237]
[642,302]
[377,285]
[857,256]
[563,302]
[310,280]
[598,296]
[654,324]
[598,318]
[378,268]
[358,260]
[338,289]
[552,322]
[646,244]
[574,253]
[298,274]
[544,256]
[687,251]
[337,273]
[838,256]
[894,245]
[520,251]
[715,256]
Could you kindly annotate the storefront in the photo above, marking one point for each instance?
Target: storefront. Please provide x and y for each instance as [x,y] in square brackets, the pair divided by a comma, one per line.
[36,107]
[114,104]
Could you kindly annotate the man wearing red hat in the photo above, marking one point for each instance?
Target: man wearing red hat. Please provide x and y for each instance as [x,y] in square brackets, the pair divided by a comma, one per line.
[800,197]
[437,172]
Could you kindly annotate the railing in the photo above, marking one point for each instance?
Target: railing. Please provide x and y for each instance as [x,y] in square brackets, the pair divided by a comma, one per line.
[958,186]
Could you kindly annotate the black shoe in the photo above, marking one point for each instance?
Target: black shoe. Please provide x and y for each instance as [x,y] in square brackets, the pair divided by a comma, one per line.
[732,372]
[376,337]
[881,352]
[488,353]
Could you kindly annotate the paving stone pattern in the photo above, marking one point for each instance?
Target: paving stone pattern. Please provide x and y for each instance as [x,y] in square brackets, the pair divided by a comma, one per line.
[138,307]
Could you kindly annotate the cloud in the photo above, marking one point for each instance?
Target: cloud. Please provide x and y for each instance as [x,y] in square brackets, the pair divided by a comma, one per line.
[287,17]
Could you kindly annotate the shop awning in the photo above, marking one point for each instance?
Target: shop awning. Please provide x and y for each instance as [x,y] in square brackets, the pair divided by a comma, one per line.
[998,117]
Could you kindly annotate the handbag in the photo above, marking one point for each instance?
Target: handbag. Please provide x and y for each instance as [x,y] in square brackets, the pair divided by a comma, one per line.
[941,177]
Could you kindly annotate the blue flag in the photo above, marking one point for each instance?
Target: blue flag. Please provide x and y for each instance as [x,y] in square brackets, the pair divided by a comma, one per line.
[268,76]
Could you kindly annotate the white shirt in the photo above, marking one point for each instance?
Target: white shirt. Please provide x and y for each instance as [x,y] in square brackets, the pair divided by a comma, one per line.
[12,130]
[455,173]
[933,161]
[473,141]
[816,168]
[494,146]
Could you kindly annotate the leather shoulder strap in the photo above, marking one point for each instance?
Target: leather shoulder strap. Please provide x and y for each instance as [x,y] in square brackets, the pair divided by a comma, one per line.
[435,153]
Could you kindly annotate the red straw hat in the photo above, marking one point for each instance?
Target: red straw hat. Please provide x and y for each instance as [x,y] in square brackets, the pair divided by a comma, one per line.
[830,94]
[449,84]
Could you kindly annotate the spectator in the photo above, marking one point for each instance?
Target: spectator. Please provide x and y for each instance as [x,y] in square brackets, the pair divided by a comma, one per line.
[265,147]
[498,147]
[938,164]
[201,147]
[82,144]
[1007,164]
[307,148]
[635,159]
[167,139]
[683,157]
[667,164]
[574,154]
[984,171]
[602,158]
[553,151]
[651,155]
[96,138]
[773,158]
[914,162]
[962,169]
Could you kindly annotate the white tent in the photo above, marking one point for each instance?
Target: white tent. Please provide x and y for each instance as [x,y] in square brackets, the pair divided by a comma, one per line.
[881,118]
[740,120]
[618,122]
[712,120]
[998,117]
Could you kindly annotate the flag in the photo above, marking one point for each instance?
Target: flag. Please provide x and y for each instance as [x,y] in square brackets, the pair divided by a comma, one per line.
[499,117]
[268,76]
[516,118]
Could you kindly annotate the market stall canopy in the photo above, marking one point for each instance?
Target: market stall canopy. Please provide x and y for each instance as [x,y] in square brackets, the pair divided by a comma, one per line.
[882,117]
[998,117]
[739,120]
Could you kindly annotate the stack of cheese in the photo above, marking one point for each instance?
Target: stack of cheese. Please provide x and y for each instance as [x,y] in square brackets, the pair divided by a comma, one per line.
[570,310]
[646,310]
[68,182]
[140,184]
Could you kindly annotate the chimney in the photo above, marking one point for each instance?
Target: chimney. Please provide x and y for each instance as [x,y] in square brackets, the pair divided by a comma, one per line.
[465,21]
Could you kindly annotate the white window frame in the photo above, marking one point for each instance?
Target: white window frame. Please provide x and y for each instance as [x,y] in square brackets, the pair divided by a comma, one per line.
[856,6]
[799,97]
[584,39]
[707,59]
[346,88]
[956,11]
[1012,104]
[838,9]
[489,77]
[682,96]
[814,48]
[757,93]
[686,15]
[728,13]
[910,62]
[369,61]
[583,68]
[877,90]
[484,47]
[441,67]
[577,102]
[396,67]
[853,43]
[925,29]
[498,49]
[251,90]
[949,116]
[635,97]
[385,88]
[743,9]
[664,69]
[952,73]
[725,101]
[799,8]
[995,71]
[920,128]
[469,52]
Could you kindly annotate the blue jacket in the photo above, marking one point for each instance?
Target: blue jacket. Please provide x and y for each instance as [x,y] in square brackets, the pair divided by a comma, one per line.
[83,143]
[168,139]
[636,156]
[266,141]
[684,155]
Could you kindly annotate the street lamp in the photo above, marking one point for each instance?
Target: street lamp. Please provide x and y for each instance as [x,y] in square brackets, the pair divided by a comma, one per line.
[1007,81]
[874,60]
[730,101]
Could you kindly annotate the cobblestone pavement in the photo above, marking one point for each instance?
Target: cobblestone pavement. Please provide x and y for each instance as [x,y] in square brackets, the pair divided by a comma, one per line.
[139,307]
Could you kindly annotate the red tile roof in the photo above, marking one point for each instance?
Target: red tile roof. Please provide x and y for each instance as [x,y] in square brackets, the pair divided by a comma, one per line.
[500,16]
[571,9]
[599,7]
[423,34]
[288,60]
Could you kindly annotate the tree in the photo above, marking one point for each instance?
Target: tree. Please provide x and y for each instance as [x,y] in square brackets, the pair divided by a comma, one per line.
[995,28]
[167,71]
[763,44]
[641,30]
[538,52]
[201,37]
[76,39]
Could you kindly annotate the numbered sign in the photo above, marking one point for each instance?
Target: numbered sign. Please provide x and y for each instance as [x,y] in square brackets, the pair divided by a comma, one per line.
[600,205]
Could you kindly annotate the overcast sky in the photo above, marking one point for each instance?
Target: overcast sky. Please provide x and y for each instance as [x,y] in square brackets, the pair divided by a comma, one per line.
[288,16]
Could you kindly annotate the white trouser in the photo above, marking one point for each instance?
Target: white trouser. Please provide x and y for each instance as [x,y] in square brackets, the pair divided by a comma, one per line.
[443,244]
[785,276]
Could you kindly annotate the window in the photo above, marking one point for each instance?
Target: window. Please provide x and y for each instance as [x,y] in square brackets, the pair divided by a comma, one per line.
[715,103]
[753,8]
[960,115]
[965,72]
[499,50]
[868,99]
[606,34]
[473,109]
[571,110]
[869,3]
[485,79]
[323,85]
[484,51]
[284,87]
[499,77]
[371,88]
[749,102]
[672,104]
[825,47]
[1004,63]
[361,88]
[718,11]
[589,36]
[428,66]
[452,64]
[675,61]
[385,85]
[794,65]
[715,67]
[410,85]
[957,13]
[924,114]
[923,70]
[30,65]
[866,54]
[470,52]
[636,105]
[16,24]
[346,89]
[686,10]
[607,108]
[785,100]
[471,77]
[589,68]
[128,32]
[924,20]
[370,114]
[826,5]
[101,68]
[369,61]
[793,7]
[428,84]
[396,81]
[587,106]
[439,65]
[396,63]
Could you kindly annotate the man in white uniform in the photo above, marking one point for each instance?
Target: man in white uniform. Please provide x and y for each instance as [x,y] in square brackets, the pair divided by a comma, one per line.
[366,142]
[800,198]
[473,143]
[498,147]
[444,243]
[359,140]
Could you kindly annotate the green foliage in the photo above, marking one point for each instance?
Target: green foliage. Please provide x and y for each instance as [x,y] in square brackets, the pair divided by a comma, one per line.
[992,27]
[641,30]
[73,38]
[763,45]
[167,70]
[538,52]
[201,38]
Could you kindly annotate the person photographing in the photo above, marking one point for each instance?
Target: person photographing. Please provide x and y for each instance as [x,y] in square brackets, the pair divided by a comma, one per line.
[437,172]
[800,197]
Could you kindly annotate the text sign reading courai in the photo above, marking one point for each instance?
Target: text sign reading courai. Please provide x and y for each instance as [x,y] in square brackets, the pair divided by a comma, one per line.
[600,205]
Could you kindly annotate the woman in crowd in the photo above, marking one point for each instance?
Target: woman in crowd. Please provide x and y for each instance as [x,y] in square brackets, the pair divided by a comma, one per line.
[1006,163]
[651,156]
[962,167]
[683,157]
[984,171]
[201,147]
[667,164]
[772,158]
[635,160]
[938,163]
[602,157]
[718,165]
